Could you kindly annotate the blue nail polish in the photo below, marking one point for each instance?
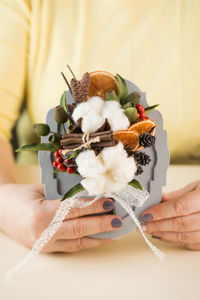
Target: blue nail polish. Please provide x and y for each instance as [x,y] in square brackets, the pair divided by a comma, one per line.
[146,218]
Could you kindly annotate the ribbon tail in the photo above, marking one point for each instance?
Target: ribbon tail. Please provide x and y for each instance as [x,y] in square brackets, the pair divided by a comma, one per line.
[156,251]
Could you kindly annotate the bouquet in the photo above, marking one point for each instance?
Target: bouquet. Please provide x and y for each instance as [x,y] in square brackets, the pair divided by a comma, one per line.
[102,137]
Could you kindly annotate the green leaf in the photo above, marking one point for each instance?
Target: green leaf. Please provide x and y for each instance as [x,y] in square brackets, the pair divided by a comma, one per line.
[150,108]
[134,98]
[131,114]
[38,147]
[63,102]
[123,90]
[134,183]
[73,191]
[41,129]
[111,95]
[73,155]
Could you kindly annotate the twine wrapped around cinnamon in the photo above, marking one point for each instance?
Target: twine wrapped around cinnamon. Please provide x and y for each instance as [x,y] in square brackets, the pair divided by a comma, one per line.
[77,141]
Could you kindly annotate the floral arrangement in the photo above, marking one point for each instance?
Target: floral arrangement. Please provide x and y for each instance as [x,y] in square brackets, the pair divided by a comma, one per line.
[104,133]
[105,130]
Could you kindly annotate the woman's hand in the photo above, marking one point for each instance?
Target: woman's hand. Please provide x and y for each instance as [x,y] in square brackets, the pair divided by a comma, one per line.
[177,218]
[24,214]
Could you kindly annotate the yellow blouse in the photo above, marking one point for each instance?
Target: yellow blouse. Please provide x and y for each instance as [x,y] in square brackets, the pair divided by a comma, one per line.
[154,43]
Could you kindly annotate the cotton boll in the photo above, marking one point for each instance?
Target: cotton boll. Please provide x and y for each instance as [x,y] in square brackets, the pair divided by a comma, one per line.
[115,116]
[91,123]
[94,185]
[94,104]
[88,164]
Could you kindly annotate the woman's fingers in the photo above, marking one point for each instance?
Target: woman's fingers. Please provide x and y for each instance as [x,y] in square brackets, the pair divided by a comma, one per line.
[185,205]
[181,192]
[190,246]
[182,237]
[80,227]
[101,205]
[75,245]
[179,224]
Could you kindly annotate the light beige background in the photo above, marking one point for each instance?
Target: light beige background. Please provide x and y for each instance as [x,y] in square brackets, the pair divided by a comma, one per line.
[126,269]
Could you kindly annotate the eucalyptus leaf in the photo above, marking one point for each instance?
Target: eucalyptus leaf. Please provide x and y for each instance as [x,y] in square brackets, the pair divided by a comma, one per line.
[111,95]
[123,90]
[134,98]
[41,129]
[131,114]
[38,147]
[134,183]
[63,102]
[150,108]
[73,191]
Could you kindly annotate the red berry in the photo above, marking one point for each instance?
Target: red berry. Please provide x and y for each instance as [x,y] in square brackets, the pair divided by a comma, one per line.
[70,170]
[143,115]
[59,160]
[60,151]
[56,154]
[142,109]
[139,106]
[61,167]
[68,161]
[138,116]
[55,164]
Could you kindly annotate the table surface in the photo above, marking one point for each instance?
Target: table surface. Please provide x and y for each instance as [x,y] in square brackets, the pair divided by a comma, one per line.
[125,269]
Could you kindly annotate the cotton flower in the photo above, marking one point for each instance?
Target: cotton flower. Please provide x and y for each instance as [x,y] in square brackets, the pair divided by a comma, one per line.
[108,172]
[95,111]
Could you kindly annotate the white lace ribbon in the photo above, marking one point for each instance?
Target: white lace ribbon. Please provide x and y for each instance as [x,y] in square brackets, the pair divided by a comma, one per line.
[128,197]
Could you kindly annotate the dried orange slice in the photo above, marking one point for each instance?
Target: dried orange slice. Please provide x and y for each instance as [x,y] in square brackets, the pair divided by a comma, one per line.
[143,126]
[101,82]
[130,139]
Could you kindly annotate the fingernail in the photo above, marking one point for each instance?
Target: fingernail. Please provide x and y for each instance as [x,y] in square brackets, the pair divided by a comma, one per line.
[107,205]
[146,218]
[116,223]
[155,237]
[144,227]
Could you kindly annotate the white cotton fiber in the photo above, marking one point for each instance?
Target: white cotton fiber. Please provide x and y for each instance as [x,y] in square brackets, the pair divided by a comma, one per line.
[115,116]
[88,164]
[95,111]
[91,114]
[108,172]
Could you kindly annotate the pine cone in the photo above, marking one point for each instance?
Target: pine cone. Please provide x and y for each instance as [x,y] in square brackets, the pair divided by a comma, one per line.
[147,140]
[142,158]
[139,170]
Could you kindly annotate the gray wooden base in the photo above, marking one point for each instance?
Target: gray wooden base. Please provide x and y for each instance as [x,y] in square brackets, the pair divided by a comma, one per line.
[152,179]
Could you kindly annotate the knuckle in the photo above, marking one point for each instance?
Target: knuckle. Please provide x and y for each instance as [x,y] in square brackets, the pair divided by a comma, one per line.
[77,245]
[184,237]
[78,228]
[104,224]
[180,207]
[74,213]
[179,224]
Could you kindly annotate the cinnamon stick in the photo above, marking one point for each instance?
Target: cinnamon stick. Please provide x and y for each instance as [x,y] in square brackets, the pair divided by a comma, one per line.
[71,135]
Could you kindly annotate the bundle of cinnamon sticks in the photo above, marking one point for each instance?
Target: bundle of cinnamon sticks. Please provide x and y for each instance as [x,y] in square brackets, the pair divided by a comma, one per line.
[74,140]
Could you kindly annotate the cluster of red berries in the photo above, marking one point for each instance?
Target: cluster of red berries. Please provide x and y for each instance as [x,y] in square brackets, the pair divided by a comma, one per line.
[61,163]
[141,112]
